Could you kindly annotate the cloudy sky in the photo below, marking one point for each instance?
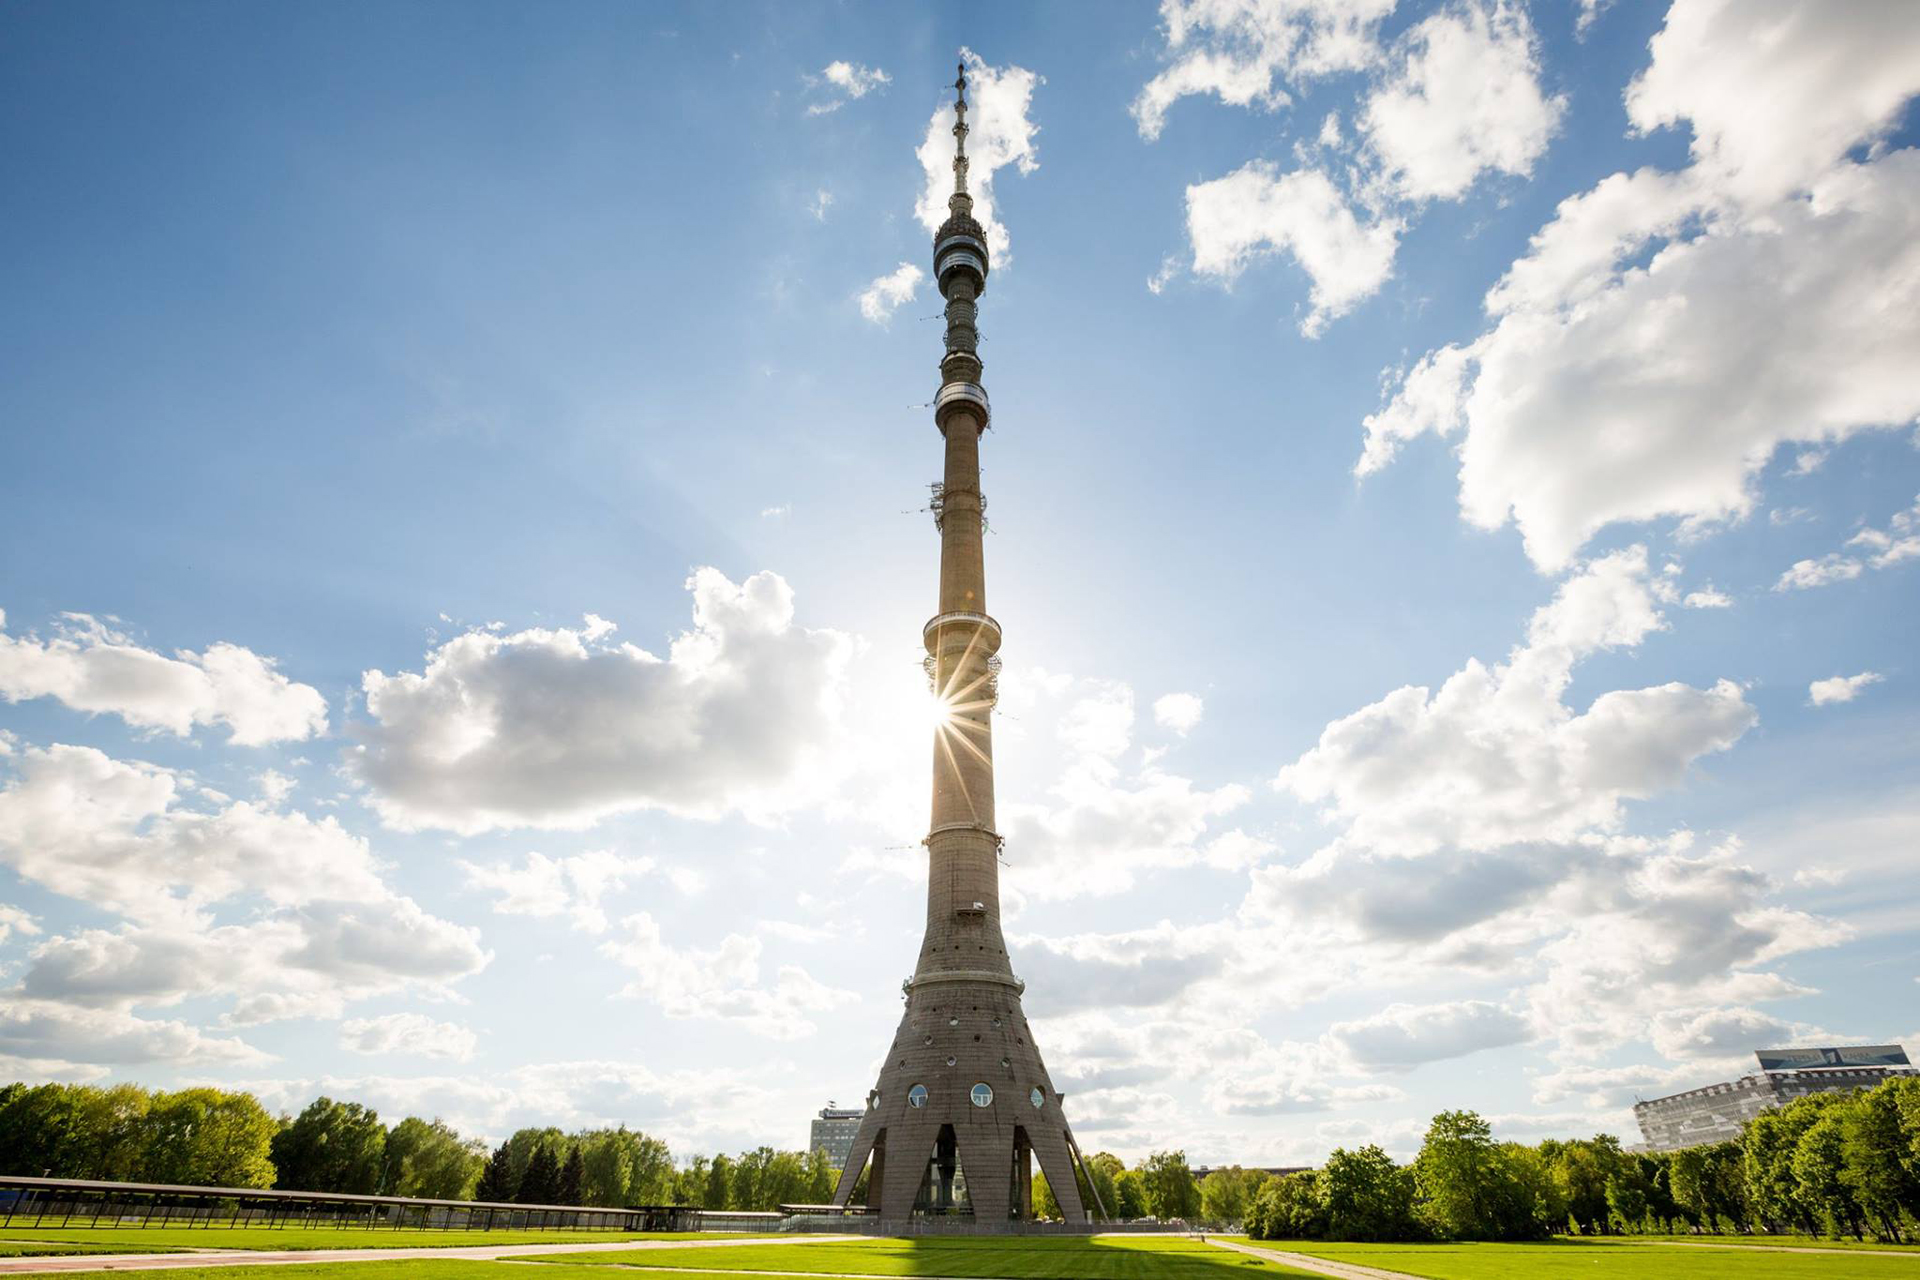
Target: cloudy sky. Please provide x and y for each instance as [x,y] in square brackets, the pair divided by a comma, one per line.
[463,550]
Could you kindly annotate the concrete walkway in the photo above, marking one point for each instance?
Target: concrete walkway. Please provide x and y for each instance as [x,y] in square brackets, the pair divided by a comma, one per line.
[293,1257]
[1307,1262]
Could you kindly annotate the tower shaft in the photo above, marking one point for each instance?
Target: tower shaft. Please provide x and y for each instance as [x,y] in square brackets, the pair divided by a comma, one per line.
[964,1106]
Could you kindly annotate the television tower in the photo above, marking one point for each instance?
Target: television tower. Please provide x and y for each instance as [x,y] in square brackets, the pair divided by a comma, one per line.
[964,1104]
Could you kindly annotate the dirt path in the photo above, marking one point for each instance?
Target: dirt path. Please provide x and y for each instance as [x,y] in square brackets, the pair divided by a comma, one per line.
[1306,1262]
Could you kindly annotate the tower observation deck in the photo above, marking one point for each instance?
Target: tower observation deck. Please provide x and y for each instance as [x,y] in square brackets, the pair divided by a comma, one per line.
[964,1105]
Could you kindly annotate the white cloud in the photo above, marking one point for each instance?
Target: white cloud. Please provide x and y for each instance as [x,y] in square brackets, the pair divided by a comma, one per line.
[1666,333]
[1840,688]
[413,1034]
[1000,133]
[1179,712]
[112,834]
[707,1109]
[879,300]
[1463,98]
[36,1032]
[842,82]
[1878,549]
[1707,598]
[559,728]
[722,983]
[1245,51]
[1497,757]
[822,201]
[1404,1035]
[1256,212]
[95,669]
[14,920]
[1775,90]
[569,885]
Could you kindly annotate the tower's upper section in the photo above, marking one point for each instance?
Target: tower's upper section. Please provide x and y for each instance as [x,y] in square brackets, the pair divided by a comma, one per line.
[960,269]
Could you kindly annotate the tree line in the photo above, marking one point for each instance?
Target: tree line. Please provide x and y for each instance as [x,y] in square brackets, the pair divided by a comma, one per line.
[225,1138]
[1840,1163]
[1835,1164]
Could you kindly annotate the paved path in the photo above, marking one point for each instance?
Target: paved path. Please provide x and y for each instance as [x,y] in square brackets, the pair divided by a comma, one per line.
[288,1257]
[1318,1266]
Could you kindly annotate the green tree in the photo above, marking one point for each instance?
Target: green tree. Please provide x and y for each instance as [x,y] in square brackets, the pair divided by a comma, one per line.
[1288,1208]
[1627,1200]
[496,1185]
[40,1132]
[572,1177]
[331,1146]
[820,1178]
[1129,1195]
[690,1184]
[649,1169]
[1169,1185]
[1101,1171]
[719,1184]
[1456,1174]
[1044,1205]
[209,1138]
[1364,1195]
[1223,1194]
[1818,1162]
[110,1132]
[1768,1142]
[540,1184]
[430,1160]
[1876,1160]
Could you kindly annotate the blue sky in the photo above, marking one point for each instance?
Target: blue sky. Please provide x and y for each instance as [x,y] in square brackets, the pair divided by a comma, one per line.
[1452,491]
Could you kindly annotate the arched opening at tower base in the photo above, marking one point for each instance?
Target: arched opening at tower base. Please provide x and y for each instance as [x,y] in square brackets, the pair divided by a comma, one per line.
[943,1187]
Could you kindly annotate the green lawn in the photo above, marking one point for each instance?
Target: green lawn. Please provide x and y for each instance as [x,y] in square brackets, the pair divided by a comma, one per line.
[164,1239]
[1600,1259]
[397,1269]
[1027,1258]
[1790,1242]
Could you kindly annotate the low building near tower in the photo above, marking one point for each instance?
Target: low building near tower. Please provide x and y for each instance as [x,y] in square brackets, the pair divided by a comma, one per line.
[1715,1112]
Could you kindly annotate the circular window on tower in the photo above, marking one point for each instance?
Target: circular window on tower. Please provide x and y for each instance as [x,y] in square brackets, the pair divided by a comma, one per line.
[954,1021]
[929,1039]
[1006,1062]
[996,1024]
[982,1095]
[952,1061]
[1038,1097]
[917,1096]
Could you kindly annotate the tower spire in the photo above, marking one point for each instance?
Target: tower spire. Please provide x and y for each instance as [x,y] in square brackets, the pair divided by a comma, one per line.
[960,203]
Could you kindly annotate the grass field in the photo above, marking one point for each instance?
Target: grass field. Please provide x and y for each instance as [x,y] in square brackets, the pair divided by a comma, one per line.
[1792,1242]
[1031,1258]
[1099,1258]
[164,1239]
[1602,1260]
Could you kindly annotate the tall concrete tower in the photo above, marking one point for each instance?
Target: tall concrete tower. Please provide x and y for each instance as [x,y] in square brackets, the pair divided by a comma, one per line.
[964,1104]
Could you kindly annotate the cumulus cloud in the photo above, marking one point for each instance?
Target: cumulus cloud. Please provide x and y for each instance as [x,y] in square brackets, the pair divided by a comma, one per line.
[1456,96]
[1099,825]
[322,928]
[1667,332]
[95,669]
[1179,712]
[1840,688]
[841,82]
[412,1034]
[1496,756]
[570,885]
[1401,1036]
[1246,51]
[1707,598]
[879,300]
[559,728]
[1463,98]
[721,983]
[1001,132]
[1257,211]
[47,1035]
[14,920]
